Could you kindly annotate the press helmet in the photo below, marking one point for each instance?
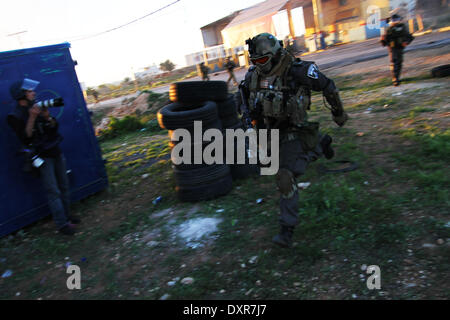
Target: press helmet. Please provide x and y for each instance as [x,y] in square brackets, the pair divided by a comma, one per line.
[18,88]
[265,51]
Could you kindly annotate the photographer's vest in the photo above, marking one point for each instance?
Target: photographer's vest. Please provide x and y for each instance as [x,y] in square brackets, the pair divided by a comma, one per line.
[277,97]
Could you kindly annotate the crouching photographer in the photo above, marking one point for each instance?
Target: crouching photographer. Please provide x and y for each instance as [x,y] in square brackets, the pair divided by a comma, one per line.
[38,132]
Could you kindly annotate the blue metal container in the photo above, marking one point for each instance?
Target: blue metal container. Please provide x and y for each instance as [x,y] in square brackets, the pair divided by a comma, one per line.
[22,200]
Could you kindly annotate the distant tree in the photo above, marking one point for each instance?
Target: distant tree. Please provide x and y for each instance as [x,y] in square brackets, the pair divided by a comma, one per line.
[126,80]
[167,65]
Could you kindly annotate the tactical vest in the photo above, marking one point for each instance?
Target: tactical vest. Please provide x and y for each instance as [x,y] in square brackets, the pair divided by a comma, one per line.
[277,100]
[397,35]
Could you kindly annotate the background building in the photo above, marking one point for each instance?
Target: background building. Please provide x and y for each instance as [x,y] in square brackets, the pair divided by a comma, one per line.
[301,22]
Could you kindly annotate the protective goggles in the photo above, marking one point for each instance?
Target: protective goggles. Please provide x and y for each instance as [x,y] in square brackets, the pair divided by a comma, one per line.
[29,84]
[260,60]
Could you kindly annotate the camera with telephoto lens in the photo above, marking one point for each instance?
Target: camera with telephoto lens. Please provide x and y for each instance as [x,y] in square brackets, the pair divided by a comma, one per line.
[57,102]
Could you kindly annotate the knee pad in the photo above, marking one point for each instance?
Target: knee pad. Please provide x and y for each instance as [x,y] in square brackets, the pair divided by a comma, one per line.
[286,183]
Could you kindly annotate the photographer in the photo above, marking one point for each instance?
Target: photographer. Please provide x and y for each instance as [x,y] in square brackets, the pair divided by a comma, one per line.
[38,132]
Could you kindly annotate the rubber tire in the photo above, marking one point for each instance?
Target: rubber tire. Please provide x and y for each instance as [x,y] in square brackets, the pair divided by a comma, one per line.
[231,123]
[179,115]
[242,171]
[441,71]
[227,108]
[196,177]
[213,190]
[194,91]
[184,166]
[213,124]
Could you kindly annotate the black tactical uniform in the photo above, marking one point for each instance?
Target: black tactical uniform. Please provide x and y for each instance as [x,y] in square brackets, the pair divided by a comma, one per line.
[396,38]
[204,71]
[230,65]
[279,97]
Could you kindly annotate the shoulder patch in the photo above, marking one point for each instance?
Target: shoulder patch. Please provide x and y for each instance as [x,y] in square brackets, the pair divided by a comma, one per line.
[313,71]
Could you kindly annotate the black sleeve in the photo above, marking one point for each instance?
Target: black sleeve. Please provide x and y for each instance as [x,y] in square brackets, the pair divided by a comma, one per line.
[409,37]
[19,128]
[307,73]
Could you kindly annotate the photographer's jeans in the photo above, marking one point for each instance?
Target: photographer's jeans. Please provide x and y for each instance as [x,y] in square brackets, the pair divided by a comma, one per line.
[56,184]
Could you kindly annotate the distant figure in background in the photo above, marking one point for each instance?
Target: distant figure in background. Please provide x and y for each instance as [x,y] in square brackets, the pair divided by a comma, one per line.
[323,44]
[315,40]
[396,38]
[230,65]
[204,70]
[95,94]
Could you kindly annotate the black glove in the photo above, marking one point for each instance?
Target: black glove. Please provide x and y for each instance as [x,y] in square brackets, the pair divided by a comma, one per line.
[341,119]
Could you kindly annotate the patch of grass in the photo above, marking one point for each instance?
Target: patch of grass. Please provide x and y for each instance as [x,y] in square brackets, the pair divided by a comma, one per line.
[376,104]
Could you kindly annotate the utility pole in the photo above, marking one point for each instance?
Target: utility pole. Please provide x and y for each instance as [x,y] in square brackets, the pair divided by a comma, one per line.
[291,24]
[317,9]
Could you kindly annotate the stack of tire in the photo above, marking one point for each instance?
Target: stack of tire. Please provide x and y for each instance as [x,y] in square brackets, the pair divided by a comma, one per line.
[209,102]
[230,120]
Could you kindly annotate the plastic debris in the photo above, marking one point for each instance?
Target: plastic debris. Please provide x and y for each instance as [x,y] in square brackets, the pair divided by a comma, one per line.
[397,94]
[220,210]
[360,134]
[68,264]
[7,273]
[187,280]
[171,283]
[303,185]
[258,201]
[165,297]
[145,176]
[157,200]
[253,259]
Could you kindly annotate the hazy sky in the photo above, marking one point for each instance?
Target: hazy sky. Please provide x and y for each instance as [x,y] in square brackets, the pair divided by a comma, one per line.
[168,34]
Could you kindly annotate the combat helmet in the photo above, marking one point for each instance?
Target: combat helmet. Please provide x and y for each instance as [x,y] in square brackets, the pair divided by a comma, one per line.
[265,51]
[397,15]
[18,88]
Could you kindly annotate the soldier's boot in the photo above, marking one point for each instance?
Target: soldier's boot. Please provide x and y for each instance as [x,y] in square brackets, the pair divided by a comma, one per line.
[284,238]
[327,150]
[396,81]
[396,77]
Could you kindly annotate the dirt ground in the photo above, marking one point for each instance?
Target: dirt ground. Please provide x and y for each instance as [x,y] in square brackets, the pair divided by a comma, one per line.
[391,212]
